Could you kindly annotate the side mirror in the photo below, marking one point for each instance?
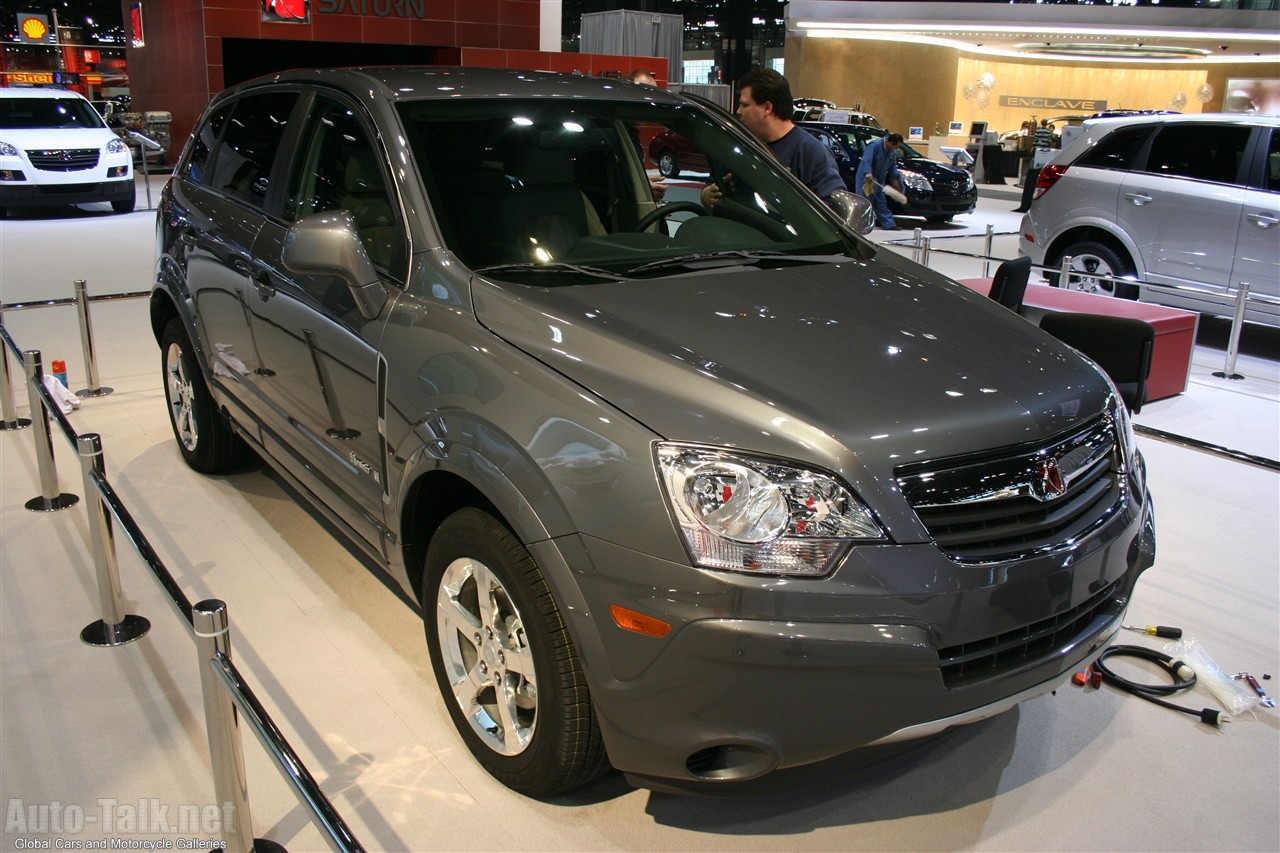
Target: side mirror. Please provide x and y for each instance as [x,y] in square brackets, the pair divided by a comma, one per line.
[327,244]
[855,210]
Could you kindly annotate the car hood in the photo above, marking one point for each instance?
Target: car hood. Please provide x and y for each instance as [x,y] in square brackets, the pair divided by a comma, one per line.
[932,169]
[855,366]
[57,137]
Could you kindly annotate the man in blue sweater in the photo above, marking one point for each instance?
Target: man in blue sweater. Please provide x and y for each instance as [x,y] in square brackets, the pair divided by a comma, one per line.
[765,107]
[879,166]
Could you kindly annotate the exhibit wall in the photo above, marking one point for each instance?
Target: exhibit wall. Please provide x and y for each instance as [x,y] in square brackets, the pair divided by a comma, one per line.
[906,85]
[900,84]
[193,49]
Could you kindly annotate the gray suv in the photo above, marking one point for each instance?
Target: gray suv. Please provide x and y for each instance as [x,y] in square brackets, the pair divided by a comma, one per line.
[696,494]
[1191,201]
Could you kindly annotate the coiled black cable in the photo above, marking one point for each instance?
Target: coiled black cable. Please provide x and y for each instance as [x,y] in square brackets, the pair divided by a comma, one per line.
[1182,677]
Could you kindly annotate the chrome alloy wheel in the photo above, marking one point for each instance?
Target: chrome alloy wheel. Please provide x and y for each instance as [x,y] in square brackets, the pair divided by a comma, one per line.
[1084,269]
[487,656]
[181,393]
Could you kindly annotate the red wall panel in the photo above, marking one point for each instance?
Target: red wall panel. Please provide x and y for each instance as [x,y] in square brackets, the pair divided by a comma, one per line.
[181,66]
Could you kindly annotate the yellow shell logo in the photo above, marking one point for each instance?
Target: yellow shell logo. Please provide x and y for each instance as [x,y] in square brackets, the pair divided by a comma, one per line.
[34,29]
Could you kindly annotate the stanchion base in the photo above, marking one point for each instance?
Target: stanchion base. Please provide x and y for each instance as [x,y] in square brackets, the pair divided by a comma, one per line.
[94,392]
[20,423]
[102,634]
[1222,374]
[43,504]
[266,845]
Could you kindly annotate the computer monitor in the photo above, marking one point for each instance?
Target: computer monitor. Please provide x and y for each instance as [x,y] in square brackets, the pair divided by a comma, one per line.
[957,156]
[977,131]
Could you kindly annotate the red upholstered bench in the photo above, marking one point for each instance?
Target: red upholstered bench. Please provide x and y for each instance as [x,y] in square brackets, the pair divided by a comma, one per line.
[1175,329]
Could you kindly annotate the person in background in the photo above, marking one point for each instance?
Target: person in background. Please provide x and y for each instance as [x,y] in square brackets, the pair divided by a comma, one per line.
[645,78]
[878,168]
[765,106]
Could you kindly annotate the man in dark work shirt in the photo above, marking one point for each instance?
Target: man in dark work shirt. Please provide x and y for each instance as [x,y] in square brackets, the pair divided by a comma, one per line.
[765,107]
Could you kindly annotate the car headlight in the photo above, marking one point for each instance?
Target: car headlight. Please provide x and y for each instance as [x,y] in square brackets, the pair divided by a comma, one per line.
[752,514]
[117,146]
[1119,414]
[916,181]
[968,182]
[8,150]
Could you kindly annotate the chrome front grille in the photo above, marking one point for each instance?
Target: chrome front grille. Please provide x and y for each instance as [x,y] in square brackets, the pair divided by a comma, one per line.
[1019,500]
[64,159]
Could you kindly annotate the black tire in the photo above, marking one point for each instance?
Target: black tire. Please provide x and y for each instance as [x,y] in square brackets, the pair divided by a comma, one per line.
[1090,257]
[205,438]
[667,165]
[126,205]
[545,739]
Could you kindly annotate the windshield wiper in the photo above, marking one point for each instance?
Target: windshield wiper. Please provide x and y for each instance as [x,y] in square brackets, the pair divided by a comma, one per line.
[531,266]
[711,260]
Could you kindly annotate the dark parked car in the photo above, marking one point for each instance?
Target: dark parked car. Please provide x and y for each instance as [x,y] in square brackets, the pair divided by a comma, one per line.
[698,499]
[936,191]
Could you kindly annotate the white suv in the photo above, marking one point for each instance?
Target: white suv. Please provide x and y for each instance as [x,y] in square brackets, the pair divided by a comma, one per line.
[1187,200]
[56,149]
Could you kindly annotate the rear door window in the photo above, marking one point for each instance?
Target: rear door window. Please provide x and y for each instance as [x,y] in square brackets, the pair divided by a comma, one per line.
[1204,152]
[253,136]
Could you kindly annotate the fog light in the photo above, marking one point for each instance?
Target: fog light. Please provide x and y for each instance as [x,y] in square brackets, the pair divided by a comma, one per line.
[117,171]
[12,175]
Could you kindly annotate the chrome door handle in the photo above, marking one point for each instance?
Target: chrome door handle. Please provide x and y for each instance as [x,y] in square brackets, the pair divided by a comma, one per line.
[1138,199]
[262,284]
[1262,220]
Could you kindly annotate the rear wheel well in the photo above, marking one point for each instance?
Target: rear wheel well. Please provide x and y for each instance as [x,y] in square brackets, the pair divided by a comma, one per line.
[1080,235]
[431,499]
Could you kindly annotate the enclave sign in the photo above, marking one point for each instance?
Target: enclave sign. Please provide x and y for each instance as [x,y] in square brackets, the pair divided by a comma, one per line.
[1081,105]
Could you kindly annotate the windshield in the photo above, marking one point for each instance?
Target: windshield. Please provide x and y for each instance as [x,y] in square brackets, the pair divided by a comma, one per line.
[568,185]
[40,113]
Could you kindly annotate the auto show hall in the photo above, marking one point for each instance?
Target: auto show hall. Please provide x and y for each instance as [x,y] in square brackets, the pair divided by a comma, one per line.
[109,744]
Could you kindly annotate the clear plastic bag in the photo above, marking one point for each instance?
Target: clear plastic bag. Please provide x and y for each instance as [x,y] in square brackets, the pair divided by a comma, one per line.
[1234,696]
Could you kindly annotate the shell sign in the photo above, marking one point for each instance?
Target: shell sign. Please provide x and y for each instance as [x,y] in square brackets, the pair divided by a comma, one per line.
[33,29]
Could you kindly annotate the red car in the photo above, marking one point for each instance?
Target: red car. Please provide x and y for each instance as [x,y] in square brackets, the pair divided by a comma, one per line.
[673,153]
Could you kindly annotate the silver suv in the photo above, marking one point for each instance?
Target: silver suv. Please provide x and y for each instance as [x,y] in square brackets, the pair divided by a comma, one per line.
[1185,200]
[698,494]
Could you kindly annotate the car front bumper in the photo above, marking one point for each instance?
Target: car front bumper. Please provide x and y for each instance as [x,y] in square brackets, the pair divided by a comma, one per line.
[735,691]
[33,194]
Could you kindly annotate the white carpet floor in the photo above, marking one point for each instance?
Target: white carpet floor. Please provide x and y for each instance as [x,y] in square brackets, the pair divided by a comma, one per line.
[109,744]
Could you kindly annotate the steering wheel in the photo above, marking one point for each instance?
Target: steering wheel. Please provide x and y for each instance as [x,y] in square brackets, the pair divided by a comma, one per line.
[668,209]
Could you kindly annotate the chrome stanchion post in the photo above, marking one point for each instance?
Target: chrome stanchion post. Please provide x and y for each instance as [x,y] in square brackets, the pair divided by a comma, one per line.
[116,627]
[86,343]
[50,498]
[230,784]
[986,251]
[1064,272]
[10,413]
[916,237]
[1233,342]
[924,253]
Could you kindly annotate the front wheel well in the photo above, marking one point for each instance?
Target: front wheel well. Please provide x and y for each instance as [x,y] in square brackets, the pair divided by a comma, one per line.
[162,311]
[431,499]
